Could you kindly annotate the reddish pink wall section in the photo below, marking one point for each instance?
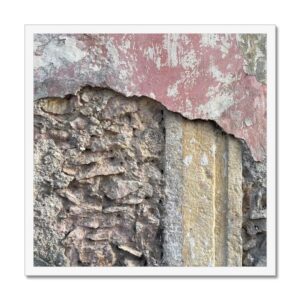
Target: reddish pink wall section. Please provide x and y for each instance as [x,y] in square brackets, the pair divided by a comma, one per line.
[200,76]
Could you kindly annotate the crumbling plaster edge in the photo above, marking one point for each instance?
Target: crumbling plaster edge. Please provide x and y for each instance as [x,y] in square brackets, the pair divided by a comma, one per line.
[185,115]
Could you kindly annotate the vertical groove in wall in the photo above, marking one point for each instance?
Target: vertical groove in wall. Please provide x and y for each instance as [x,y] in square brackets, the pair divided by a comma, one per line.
[220,199]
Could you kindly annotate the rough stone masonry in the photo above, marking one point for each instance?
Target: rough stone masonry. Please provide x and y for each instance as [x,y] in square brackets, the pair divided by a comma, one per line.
[124,182]
[98,180]
[150,149]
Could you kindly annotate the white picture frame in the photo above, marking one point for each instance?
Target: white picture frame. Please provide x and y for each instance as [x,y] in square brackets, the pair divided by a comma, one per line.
[269,270]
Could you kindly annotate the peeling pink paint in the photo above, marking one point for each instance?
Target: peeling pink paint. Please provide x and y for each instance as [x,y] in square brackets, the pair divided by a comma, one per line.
[198,75]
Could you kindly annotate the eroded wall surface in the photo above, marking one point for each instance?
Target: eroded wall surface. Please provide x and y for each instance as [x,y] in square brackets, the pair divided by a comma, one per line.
[254,231]
[204,188]
[124,182]
[150,149]
[219,77]
[98,180]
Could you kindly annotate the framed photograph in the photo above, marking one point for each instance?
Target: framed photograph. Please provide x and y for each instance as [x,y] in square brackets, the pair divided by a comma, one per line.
[150,150]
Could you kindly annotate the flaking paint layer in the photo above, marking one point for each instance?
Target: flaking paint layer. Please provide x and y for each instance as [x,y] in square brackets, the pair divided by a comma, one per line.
[201,76]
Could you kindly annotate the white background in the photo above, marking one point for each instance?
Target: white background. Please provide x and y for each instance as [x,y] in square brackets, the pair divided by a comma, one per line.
[14,14]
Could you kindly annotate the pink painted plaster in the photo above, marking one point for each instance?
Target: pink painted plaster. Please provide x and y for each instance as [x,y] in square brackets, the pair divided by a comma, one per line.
[200,76]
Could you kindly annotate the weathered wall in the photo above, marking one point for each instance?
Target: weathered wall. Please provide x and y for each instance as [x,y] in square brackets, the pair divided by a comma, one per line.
[98,180]
[219,77]
[254,210]
[204,188]
[123,181]
[132,181]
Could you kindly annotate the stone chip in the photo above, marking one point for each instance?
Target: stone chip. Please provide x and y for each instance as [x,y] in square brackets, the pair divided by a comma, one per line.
[59,106]
[117,189]
[130,250]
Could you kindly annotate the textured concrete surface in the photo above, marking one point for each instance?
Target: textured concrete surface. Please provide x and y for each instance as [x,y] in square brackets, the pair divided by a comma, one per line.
[218,77]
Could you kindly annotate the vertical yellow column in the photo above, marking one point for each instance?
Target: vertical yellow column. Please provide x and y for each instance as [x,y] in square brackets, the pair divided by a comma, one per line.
[198,194]
[211,197]
[203,205]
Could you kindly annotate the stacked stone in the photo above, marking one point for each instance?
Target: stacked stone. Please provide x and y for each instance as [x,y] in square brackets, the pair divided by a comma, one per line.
[123,182]
[98,187]
[254,230]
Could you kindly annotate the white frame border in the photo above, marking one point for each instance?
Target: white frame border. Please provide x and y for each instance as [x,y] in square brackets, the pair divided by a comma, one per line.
[270,269]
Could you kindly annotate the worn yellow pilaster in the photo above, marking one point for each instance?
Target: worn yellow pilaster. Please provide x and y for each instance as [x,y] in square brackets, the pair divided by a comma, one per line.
[203,207]
[212,196]
[198,194]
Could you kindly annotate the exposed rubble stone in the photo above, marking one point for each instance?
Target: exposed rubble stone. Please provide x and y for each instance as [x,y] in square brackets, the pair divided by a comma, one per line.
[98,183]
[254,230]
[102,170]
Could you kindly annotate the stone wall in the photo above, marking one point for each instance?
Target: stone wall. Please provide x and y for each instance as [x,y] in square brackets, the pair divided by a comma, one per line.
[98,180]
[254,230]
[124,182]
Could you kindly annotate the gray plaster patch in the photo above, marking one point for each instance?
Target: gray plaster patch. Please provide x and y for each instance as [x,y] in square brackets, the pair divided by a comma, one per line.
[172,246]
[254,51]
